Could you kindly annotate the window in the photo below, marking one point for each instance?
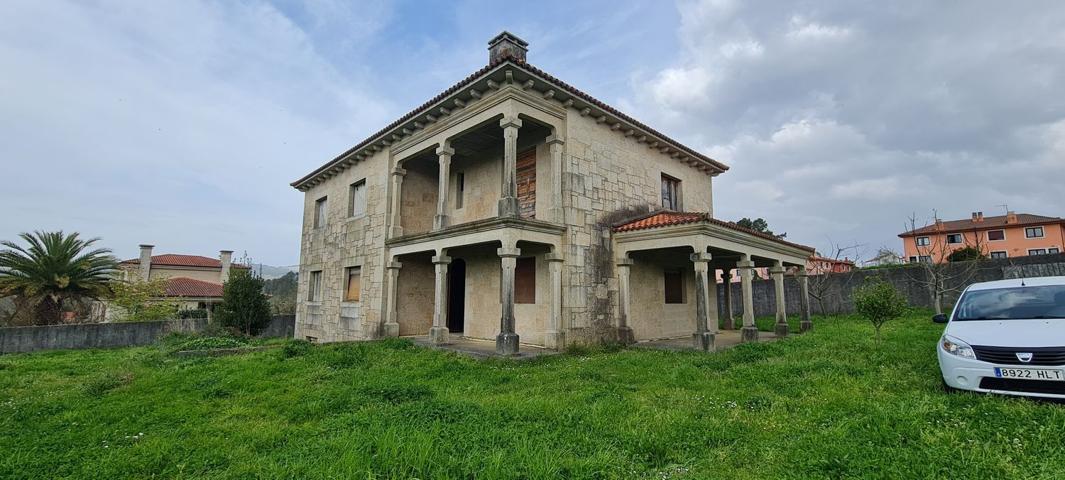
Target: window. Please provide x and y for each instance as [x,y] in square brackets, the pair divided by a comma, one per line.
[1033,232]
[314,287]
[913,259]
[996,235]
[674,286]
[924,258]
[319,212]
[922,241]
[354,284]
[1037,251]
[670,193]
[357,200]
[460,189]
[1053,250]
[999,254]
[1013,303]
[954,238]
[525,280]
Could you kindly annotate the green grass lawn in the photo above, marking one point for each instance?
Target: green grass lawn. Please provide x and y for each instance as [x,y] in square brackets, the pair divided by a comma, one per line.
[828,404]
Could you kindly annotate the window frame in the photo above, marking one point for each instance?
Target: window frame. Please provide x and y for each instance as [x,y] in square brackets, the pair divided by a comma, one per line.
[320,210]
[1055,251]
[666,297]
[347,284]
[1042,232]
[924,258]
[1004,253]
[525,271]
[961,238]
[1003,231]
[352,189]
[314,286]
[1036,251]
[675,203]
[913,259]
[927,241]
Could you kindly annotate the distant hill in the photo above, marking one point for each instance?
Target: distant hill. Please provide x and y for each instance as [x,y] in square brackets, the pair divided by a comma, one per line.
[270,272]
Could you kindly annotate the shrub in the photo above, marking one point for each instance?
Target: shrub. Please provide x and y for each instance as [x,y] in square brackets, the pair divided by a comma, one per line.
[244,307]
[878,301]
[196,313]
[965,254]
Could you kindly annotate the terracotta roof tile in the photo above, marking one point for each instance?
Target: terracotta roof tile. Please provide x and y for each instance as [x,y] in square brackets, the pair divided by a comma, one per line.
[989,222]
[178,260]
[668,218]
[188,287]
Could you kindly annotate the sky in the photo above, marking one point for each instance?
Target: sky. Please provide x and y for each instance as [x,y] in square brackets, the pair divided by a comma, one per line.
[181,124]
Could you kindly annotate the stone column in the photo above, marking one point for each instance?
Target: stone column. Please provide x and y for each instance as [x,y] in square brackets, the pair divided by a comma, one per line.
[444,154]
[730,319]
[745,268]
[556,143]
[396,228]
[781,325]
[554,338]
[507,340]
[804,299]
[438,333]
[625,335]
[391,327]
[508,203]
[703,339]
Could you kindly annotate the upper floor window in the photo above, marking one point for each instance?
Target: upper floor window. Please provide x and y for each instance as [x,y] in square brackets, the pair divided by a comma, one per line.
[995,235]
[670,193]
[314,287]
[357,200]
[954,238]
[354,284]
[1033,232]
[922,241]
[319,212]
[999,254]
[460,189]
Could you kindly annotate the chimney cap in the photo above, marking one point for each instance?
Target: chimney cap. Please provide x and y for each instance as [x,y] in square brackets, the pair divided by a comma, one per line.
[145,245]
[225,251]
[507,45]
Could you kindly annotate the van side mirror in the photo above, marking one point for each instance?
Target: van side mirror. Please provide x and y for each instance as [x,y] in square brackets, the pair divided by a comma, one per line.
[939,318]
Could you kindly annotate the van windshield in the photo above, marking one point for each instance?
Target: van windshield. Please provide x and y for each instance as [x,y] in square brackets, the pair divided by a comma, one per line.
[1035,302]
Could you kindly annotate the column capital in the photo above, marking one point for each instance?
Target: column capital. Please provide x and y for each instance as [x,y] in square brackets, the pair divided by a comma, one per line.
[701,257]
[554,257]
[441,259]
[744,264]
[802,272]
[445,150]
[555,140]
[394,265]
[399,171]
[510,122]
[508,252]
[625,262]
[776,270]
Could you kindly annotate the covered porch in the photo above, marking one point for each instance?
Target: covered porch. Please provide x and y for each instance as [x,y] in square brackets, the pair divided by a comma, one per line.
[667,263]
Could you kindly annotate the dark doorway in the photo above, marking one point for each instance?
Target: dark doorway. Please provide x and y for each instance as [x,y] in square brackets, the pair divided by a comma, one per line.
[456,295]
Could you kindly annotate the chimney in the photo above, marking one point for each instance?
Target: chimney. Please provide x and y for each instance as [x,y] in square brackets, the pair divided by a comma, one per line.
[226,257]
[1011,217]
[507,45]
[146,261]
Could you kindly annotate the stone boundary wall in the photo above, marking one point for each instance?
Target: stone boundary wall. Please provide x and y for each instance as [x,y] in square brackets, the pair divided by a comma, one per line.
[110,335]
[838,287]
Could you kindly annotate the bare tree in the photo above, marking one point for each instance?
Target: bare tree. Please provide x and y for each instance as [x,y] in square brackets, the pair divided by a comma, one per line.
[935,273]
[820,285]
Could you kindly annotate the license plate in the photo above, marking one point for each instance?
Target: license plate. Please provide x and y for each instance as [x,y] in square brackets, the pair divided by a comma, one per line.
[1030,374]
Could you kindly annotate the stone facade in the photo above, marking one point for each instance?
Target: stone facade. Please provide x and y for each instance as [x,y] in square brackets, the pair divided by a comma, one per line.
[443,247]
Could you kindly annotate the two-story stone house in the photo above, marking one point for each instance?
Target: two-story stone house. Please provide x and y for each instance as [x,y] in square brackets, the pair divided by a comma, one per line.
[515,207]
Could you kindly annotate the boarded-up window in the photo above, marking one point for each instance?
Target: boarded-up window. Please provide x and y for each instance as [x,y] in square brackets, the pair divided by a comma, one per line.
[525,281]
[527,183]
[354,285]
[674,286]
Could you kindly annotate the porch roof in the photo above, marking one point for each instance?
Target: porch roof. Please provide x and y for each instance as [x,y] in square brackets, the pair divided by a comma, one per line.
[668,218]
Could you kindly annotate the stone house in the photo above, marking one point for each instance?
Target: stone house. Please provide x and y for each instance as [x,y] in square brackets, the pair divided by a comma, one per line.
[514,207]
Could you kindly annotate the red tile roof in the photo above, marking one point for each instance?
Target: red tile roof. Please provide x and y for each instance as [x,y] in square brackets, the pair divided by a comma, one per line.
[989,222]
[667,218]
[177,260]
[476,76]
[188,287]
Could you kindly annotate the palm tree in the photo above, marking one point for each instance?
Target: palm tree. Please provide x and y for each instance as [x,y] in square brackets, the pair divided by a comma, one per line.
[55,267]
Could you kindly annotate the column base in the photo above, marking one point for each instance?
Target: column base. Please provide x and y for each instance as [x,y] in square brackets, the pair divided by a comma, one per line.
[749,334]
[508,207]
[703,341]
[729,324]
[554,340]
[781,329]
[391,330]
[438,335]
[507,344]
[805,326]
[625,336]
[440,222]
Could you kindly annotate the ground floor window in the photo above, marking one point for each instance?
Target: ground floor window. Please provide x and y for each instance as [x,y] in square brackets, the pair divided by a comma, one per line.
[1053,250]
[1001,254]
[354,284]
[674,286]
[1037,251]
[925,258]
[314,287]
[525,280]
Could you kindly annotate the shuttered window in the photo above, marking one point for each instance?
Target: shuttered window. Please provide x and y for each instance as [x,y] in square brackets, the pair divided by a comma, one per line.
[525,280]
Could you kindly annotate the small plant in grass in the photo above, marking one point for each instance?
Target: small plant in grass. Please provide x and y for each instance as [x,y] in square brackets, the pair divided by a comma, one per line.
[210,343]
[878,302]
[295,348]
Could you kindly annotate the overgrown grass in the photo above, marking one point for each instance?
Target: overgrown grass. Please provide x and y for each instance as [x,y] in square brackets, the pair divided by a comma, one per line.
[828,404]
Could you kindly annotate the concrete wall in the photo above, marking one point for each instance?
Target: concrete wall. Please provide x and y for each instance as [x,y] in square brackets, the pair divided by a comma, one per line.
[483,184]
[416,297]
[483,307]
[839,287]
[109,335]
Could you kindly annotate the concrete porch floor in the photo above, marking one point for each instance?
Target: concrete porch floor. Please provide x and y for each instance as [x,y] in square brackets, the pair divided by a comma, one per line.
[723,340]
[481,348]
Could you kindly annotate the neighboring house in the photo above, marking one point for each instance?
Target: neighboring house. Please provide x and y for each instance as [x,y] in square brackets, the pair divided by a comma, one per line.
[883,257]
[192,281]
[1006,236]
[515,207]
[815,265]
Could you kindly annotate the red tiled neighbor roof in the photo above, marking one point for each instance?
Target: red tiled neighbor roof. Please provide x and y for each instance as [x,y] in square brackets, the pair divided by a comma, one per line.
[987,222]
[188,287]
[178,260]
[666,219]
